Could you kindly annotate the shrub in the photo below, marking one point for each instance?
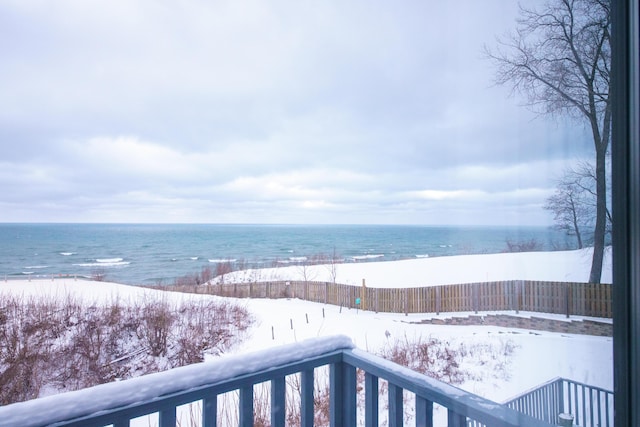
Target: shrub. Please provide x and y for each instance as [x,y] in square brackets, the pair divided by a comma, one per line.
[66,345]
[530,245]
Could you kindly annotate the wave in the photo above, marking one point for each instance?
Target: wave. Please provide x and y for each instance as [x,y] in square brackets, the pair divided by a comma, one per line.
[218,260]
[369,256]
[37,267]
[67,253]
[27,273]
[292,259]
[103,264]
[422,256]
[193,258]
[108,260]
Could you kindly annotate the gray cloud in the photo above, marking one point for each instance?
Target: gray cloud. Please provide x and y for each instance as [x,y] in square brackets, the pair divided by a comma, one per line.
[268,112]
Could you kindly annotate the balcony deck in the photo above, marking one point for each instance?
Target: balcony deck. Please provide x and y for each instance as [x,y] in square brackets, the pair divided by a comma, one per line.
[119,402]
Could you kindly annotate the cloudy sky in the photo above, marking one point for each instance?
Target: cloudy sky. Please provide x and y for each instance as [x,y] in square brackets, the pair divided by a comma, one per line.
[268,112]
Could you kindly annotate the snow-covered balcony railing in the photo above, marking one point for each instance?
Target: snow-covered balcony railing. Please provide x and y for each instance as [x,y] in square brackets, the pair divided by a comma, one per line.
[588,405]
[119,402]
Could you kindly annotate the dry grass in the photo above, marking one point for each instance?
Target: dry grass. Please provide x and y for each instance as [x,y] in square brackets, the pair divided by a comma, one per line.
[49,345]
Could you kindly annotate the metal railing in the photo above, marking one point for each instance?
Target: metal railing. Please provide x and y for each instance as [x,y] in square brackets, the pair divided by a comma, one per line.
[590,406]
[119,402]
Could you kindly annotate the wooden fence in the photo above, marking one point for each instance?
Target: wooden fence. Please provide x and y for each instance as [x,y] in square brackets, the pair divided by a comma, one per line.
[579,299]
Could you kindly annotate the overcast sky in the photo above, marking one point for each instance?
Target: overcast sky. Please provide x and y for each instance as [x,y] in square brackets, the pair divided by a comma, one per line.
[268,112]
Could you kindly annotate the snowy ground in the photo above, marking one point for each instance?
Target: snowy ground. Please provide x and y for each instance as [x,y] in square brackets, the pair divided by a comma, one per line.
[537,356]
[566,266]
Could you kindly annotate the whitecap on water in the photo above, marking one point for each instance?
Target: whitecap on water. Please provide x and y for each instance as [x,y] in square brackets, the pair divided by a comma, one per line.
[104,263]
[369,256]
[109,260]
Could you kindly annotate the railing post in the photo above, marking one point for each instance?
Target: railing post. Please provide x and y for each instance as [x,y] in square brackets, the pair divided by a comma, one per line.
[167,417]
[342,403]
[396,413]
[209,411]
[306,399]
[278,392]
[371,400]
[560,399]
[455,420]
[424,412]
[246,406]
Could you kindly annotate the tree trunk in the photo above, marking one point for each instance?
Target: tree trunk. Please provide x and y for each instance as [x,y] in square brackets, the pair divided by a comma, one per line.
[601,217]
[576,228]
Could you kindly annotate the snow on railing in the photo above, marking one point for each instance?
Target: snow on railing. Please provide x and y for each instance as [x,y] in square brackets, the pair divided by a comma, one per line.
[119,402]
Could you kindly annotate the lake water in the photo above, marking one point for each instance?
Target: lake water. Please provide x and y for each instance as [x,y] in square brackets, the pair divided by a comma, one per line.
[158,253]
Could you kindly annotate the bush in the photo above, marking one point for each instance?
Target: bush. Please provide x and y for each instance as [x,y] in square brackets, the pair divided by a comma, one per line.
[451,363]
[530,245]
[66,345]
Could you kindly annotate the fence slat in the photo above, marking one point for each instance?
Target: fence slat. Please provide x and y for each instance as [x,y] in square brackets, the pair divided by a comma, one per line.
[571,299]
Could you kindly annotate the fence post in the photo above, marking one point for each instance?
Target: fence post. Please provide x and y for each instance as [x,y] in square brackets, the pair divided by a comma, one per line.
[406,301]
[516,284]
[376,293]
[475,297]
[326,291]
[438,299]
[363,300]
[566,299]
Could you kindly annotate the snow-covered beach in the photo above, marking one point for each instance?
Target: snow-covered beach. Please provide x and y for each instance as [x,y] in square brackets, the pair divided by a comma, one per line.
[563,266]
[536,356]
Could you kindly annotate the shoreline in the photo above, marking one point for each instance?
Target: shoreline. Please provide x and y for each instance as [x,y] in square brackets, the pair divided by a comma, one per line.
[561,266]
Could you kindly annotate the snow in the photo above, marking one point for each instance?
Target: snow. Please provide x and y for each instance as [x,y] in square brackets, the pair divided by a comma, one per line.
[64,406]
[537,357]
[565,266]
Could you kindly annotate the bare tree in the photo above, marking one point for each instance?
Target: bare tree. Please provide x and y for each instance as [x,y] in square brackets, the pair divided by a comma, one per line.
[569,209]
[574,202]
[560,58]
[332,266]
[223,268]
[306,270]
